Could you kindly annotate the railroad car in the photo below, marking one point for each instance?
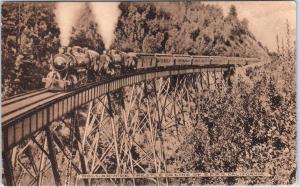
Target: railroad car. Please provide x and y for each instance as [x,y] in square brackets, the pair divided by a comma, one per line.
[251,61]
[236,60]
[182,60]
[240,61]
[164,60]
[146,61]
[200,60]
[218,60]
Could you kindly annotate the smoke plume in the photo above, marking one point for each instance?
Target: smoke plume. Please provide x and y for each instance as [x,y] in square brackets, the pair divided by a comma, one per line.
[106,15]
[67,13]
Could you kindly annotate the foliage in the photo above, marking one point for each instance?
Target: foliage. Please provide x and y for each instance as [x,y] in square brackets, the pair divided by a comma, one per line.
[248,127]
[196,28]
[30,33]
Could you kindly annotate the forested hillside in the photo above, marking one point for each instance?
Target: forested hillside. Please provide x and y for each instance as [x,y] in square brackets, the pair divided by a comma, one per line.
[193,28]
[155,28]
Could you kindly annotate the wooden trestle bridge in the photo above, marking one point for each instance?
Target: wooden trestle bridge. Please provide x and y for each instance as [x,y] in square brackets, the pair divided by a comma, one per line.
[116,126]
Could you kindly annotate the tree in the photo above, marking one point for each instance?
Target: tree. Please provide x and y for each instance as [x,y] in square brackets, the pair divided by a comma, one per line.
[232,11]
[288,40]
[245,23]
[29,30]
[277,44]
[282,47]
[152,44]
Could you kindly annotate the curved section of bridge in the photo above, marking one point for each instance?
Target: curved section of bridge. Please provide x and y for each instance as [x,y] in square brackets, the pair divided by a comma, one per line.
[29,113]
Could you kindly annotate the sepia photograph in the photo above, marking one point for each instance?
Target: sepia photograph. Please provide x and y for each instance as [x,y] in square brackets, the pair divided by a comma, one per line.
[148,93]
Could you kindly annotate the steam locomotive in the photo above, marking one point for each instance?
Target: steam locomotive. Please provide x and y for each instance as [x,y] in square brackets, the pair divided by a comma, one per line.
[75,66]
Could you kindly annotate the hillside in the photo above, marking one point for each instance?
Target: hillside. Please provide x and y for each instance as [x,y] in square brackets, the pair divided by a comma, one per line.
[194,28]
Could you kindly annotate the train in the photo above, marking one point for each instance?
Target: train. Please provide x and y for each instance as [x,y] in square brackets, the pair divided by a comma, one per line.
[76,66]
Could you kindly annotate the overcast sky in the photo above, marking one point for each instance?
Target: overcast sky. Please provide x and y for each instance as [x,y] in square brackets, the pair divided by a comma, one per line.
[266,19]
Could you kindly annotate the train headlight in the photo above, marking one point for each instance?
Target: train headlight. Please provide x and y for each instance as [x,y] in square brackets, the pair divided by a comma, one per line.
[60,63]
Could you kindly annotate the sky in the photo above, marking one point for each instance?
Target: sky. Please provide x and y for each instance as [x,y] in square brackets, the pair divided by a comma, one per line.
[266,19]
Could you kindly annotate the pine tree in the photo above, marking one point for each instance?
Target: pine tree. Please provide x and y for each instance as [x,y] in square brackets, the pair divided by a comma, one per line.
[282,48]
[232,11]
[288,44]
[277,44]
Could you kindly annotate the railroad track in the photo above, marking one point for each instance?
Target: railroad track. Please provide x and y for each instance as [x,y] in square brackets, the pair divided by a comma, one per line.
[21,103]
[22,94]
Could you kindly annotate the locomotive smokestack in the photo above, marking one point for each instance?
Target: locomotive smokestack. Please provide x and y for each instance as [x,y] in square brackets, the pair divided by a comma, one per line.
[66,14]
[106,14]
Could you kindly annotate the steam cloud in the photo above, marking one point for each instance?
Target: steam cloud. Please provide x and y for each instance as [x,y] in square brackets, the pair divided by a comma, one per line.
[106,15]
[67,13]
